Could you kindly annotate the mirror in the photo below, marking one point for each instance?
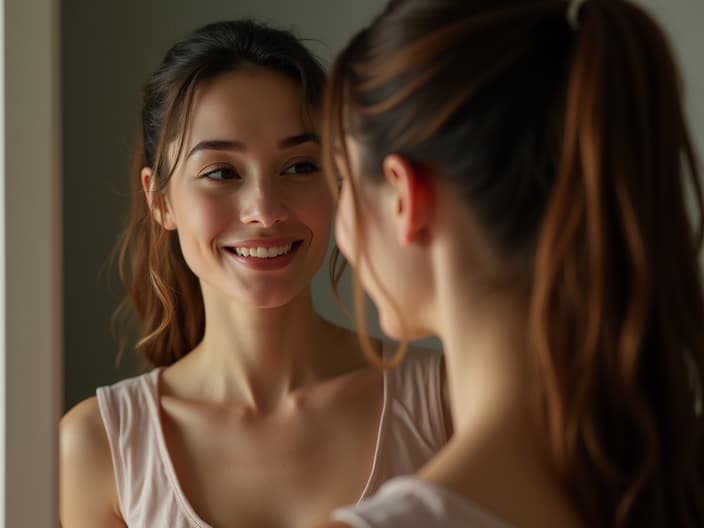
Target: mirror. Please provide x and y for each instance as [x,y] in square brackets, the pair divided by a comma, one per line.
[108,51]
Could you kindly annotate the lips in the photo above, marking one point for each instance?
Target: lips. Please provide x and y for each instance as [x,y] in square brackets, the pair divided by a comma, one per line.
[264,255]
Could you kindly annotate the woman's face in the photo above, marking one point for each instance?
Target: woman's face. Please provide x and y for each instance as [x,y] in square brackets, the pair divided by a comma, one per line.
[392,273]
[248,200]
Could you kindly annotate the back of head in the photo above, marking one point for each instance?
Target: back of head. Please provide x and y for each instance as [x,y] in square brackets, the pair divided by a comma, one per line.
[161,288]
[566,139]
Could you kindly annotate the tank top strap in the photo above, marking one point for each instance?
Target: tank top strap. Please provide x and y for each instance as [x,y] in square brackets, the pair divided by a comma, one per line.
[128,410]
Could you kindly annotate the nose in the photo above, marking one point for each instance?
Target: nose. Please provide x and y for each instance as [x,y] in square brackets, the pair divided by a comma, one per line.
[262,204]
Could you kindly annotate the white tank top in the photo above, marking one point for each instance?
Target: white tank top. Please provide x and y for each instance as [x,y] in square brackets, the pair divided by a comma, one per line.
[409,502]
[411,430]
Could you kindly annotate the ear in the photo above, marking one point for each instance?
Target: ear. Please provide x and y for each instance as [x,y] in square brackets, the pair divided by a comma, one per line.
[412,199]
[160,209]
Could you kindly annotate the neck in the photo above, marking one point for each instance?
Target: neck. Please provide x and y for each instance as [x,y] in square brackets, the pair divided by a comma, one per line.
[258,356]
[494,448]
[487,360]
[495,457]
[482,322]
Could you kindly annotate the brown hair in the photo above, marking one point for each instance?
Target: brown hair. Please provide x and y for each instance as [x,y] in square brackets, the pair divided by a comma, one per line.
[161,288]
[571,150]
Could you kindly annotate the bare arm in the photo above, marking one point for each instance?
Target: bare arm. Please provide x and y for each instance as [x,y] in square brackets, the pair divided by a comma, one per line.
[88,497]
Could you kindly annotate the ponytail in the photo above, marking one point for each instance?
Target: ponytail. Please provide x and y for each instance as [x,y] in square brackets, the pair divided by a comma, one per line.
[563,132]
[617,313]
[163,292]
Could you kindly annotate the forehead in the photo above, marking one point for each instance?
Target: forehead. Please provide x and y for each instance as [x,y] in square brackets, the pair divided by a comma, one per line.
[251,104]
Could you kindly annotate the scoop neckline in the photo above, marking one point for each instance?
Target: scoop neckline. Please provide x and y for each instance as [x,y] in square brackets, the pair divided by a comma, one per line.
[153,389]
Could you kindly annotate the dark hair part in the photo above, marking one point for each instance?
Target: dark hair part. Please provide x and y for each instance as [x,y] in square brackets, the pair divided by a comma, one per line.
[571,150]
[161,288]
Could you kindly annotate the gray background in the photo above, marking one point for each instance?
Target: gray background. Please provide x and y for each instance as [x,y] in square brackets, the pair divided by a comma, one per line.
[108,50]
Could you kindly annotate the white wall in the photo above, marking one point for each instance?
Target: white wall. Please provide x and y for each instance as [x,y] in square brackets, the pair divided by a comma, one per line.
[30,282]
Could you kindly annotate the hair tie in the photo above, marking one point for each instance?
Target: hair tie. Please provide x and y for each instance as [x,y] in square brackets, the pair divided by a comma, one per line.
[573,13]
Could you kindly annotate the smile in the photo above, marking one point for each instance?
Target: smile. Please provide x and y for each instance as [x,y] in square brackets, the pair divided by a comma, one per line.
[264,252]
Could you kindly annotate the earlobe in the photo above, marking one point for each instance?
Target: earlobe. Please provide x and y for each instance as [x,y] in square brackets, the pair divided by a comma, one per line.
[411,200]
[159,208]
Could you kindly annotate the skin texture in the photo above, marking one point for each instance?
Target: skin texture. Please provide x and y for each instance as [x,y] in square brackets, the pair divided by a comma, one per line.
[437,266]
[273,397]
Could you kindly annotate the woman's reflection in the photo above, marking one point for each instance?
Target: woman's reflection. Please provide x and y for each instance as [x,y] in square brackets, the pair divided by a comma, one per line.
[259,411]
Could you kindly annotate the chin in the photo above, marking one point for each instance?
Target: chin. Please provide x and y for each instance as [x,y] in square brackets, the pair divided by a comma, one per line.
[269,297]
[272,301]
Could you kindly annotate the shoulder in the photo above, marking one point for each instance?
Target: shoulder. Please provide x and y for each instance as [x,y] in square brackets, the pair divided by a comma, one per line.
[126,403]
[83,433]
[426,365]
[419,362]
[419,374]
[87,477]
[417,392]
[424,355]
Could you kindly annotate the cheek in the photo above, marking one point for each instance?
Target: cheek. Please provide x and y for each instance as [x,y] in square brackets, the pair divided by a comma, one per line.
[314,209]
[201,214]
[382,276]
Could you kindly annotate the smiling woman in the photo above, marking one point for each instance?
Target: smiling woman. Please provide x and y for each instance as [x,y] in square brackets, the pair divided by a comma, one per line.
[259,412]
[251,183]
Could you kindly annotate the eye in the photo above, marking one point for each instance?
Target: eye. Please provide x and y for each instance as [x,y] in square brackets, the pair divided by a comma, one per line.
[302,167]
[221,174]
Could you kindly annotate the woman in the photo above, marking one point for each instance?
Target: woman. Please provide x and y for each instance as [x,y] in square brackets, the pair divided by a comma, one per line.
[260,412]
[515,175]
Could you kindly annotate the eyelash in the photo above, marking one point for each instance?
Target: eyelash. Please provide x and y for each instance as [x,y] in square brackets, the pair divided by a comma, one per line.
[310,168]
[228,170]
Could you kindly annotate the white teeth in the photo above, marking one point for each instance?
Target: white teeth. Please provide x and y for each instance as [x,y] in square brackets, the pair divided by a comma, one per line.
[261,252]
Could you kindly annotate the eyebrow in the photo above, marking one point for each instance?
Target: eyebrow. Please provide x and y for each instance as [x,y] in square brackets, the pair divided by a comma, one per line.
[222,144]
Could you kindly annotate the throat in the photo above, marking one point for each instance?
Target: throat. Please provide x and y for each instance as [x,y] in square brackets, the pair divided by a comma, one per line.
[267,370]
